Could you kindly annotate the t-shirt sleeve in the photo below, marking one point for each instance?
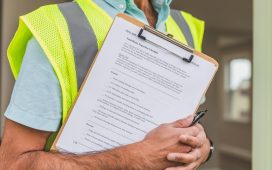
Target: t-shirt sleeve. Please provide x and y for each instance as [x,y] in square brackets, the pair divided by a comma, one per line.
[36,100]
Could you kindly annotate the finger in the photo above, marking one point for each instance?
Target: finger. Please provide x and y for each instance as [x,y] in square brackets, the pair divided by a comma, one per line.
[182,123]
[192,141]
[201,134]
[190,131]
[195,131]
[200,127]
[185,148]
[191,166]
[184,157]
[202,131]
[175,168]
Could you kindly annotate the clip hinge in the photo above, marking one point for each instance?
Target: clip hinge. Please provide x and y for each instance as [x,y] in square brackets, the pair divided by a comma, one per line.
[167,37]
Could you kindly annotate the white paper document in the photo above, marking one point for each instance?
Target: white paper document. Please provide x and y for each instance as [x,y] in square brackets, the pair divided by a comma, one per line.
[133,87]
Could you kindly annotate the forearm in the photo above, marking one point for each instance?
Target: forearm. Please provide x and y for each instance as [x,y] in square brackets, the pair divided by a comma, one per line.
[127,157]
[22,149]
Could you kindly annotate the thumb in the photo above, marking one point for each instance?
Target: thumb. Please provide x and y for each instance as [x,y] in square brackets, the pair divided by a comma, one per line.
[183,123]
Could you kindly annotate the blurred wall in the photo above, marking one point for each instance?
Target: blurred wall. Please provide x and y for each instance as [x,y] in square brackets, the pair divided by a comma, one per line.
[228,30]
[11,10]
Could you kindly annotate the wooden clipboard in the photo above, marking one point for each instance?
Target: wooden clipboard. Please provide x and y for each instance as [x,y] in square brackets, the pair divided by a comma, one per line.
[142,28]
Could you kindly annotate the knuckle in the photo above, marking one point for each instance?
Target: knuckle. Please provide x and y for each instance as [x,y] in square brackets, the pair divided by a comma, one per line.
[191,141]
[198,142]
[195,142]
[179,158]
[180,123]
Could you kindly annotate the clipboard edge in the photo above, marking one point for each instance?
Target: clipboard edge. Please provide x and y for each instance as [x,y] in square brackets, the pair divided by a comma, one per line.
[121,15]
[207,58]
[140,24]
[130,19]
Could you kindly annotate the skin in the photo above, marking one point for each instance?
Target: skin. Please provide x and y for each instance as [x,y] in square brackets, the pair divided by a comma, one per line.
[147,8]
[173,146]
[22,148]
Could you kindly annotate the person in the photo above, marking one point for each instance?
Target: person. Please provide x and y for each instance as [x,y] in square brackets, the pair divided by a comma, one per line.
[49,57]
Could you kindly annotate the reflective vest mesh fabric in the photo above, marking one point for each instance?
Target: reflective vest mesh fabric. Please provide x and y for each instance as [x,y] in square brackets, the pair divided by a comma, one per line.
[196,27]
[49,27]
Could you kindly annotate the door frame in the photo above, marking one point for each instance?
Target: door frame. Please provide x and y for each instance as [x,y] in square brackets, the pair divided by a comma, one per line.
[1,39]
[262,83]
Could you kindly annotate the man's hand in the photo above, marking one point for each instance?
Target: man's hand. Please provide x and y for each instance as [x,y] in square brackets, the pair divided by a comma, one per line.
[22,148]
[199,153]
[193,148]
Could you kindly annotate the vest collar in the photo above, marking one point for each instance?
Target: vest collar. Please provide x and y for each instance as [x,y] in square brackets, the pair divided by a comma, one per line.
[120,5]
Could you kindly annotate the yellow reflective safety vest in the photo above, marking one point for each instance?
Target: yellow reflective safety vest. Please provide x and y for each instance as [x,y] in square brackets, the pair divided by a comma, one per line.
[71,33]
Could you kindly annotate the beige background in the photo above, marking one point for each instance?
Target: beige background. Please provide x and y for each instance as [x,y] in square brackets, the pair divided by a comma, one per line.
[228,32]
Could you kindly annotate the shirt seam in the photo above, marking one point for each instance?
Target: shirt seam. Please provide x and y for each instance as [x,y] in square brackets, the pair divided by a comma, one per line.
[12,104]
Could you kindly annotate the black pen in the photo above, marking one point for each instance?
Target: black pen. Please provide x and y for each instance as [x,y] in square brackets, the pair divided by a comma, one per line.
[198,116]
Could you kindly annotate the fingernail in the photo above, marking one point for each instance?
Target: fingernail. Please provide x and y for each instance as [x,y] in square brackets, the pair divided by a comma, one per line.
[171,157]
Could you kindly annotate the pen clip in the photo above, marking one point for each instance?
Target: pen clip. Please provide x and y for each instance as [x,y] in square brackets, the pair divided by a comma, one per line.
[168,38]
[198,116]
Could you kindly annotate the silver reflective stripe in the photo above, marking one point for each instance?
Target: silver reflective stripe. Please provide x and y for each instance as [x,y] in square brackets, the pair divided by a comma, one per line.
[180,20]
[82,36]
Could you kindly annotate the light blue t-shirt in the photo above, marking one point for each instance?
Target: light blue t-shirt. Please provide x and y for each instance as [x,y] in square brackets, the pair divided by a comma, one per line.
[36,100]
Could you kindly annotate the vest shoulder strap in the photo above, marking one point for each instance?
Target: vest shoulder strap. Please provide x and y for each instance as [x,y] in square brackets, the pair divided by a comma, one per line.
[99,20]
[69,34]
[186,28]
[86,32]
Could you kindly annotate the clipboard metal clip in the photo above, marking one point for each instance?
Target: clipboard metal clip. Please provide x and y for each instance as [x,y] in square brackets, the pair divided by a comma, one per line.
[168,38]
